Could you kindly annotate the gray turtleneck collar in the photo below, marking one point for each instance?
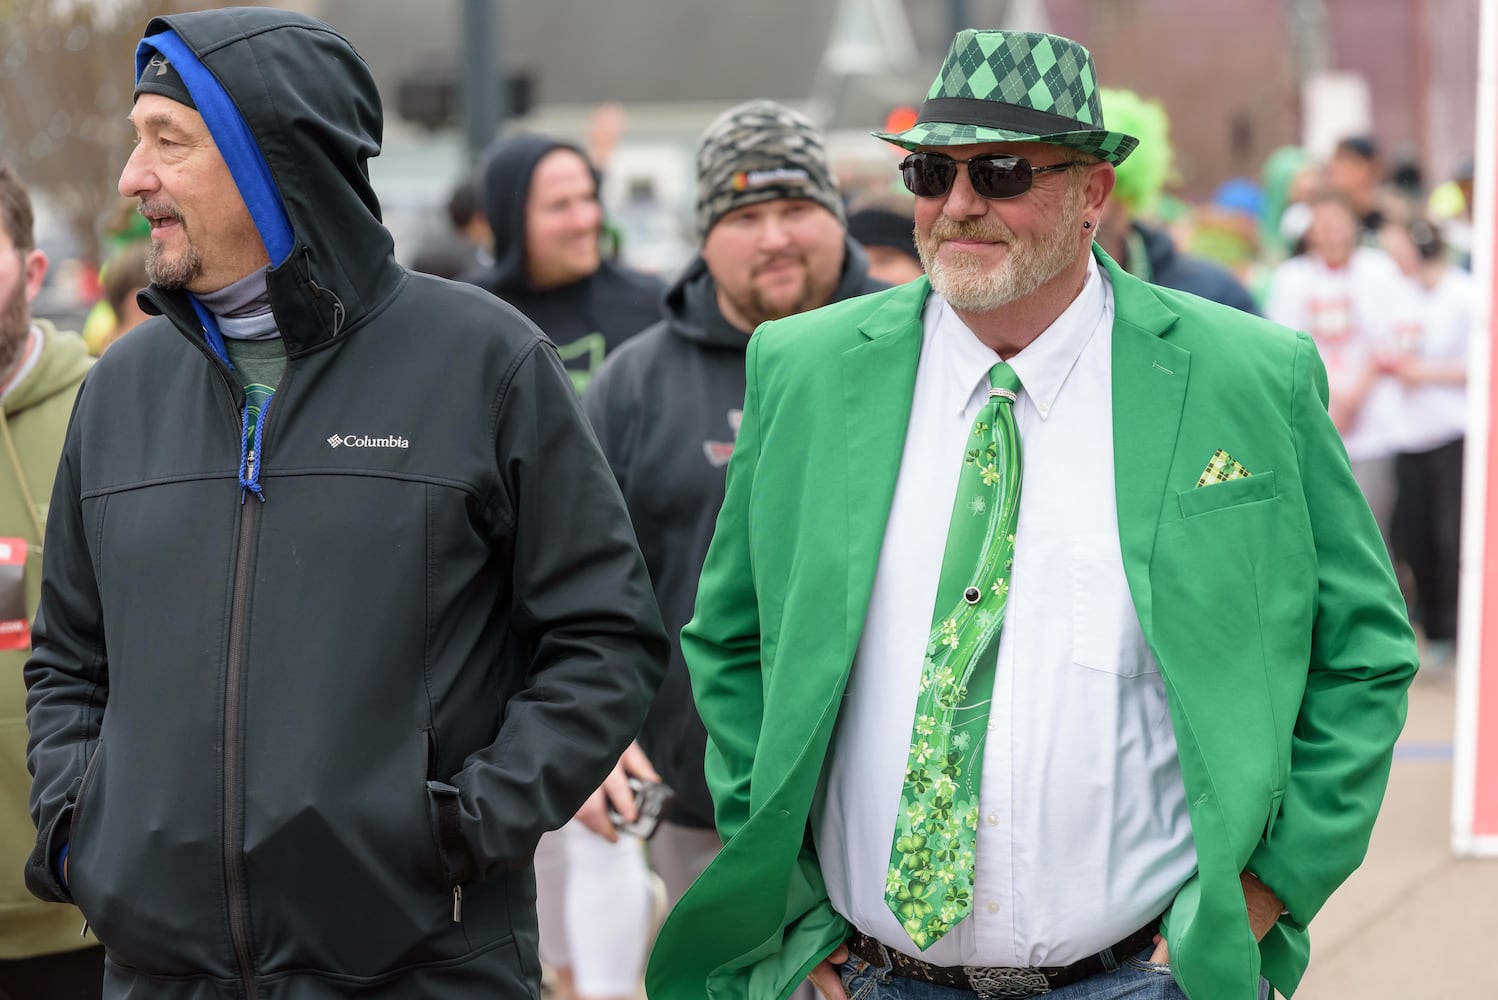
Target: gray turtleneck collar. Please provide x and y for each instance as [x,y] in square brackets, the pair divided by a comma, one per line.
[243,308]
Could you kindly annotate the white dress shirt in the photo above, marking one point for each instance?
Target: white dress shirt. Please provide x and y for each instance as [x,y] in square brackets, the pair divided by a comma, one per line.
[1083,833]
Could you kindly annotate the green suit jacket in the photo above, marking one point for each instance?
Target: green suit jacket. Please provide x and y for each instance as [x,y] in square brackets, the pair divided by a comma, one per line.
[1268,601]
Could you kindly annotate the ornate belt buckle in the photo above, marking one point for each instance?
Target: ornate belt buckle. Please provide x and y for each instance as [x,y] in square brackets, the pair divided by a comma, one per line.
[996,983]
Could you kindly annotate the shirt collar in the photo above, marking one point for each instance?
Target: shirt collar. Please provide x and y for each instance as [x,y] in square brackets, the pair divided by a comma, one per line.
[1044,365]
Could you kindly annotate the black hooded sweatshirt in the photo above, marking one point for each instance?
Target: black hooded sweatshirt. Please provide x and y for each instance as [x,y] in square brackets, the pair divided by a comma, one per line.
[666,408]
[302,748]
[587,319]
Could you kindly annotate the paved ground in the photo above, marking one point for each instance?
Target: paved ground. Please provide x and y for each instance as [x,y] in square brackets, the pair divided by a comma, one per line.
[1414,921]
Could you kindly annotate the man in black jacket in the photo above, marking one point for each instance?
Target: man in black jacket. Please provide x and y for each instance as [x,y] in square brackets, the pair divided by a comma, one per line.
[666,407]
[341,607]
[541,196]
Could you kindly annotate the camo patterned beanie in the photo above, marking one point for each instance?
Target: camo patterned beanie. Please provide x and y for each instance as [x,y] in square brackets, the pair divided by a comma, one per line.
[761,151]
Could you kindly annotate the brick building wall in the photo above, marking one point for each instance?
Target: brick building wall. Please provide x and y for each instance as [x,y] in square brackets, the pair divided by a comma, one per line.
[1226,73]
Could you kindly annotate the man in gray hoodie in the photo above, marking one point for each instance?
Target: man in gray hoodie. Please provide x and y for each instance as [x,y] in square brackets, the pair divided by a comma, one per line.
[666,406]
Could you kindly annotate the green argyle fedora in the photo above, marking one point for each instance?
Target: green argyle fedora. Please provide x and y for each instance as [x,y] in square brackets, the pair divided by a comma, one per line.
[1015,86]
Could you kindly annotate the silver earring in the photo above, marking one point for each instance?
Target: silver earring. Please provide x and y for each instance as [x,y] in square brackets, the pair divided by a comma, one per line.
[1087,224]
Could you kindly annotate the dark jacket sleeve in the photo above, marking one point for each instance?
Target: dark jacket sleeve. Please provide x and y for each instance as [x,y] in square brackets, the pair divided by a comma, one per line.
[584,611]
[67,677]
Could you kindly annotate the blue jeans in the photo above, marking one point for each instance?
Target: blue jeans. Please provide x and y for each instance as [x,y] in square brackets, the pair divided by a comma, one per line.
[1136,978]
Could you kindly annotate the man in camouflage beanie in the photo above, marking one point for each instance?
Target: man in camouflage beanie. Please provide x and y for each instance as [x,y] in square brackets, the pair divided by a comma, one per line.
[773,244]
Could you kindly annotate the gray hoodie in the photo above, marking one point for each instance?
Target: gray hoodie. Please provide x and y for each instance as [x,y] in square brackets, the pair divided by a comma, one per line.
[666,409]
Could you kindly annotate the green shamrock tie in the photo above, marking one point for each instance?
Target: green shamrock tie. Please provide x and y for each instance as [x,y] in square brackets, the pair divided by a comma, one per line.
[930,882]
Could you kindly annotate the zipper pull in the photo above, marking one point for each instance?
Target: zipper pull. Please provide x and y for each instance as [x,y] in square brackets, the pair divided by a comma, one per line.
[84,932]
[457,904]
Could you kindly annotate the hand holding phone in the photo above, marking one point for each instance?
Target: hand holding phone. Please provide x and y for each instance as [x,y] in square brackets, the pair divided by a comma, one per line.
[651,798]
[616,796]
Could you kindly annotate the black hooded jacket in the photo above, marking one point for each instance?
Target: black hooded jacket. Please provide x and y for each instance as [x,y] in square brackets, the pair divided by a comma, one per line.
[666,409]
[304,748]
[587,319]
[1163,265]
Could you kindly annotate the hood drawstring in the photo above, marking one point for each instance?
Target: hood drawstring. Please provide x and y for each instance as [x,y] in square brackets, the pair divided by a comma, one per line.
[250,437]
[250,453]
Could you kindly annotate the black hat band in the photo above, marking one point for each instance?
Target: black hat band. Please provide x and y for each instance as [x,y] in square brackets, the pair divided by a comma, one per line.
[996,114]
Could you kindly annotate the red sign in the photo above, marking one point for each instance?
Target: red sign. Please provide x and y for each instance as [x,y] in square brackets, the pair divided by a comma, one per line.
[15,629]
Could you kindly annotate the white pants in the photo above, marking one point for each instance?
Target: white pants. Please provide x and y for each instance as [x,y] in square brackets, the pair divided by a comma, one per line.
[593,904]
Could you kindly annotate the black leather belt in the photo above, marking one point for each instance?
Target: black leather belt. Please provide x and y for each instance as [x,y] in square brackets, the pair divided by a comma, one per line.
[997,981]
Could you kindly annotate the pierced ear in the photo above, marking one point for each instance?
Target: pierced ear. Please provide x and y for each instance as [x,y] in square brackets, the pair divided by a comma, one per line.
[1087,224]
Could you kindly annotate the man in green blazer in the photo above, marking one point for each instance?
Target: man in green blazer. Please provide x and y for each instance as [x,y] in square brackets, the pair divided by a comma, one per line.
[1140,770]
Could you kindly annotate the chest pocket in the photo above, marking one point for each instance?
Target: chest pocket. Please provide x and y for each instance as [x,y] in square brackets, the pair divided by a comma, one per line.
[1105,628]
[1222,496]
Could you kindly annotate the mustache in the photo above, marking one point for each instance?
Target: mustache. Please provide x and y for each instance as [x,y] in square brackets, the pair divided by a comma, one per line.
[971,229]
[159,210]
[780,258]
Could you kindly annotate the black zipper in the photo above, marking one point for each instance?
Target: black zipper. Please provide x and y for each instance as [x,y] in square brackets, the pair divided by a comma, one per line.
[236,895]
[234,881]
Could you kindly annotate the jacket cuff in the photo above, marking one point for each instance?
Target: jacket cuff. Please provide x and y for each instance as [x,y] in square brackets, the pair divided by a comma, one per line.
[43,868]
[1300,901]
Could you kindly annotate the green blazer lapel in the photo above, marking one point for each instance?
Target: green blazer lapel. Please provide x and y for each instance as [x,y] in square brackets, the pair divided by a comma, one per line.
[878,385]
[1150,375]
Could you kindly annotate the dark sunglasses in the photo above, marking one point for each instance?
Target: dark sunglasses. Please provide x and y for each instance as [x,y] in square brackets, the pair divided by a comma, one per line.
[931,175]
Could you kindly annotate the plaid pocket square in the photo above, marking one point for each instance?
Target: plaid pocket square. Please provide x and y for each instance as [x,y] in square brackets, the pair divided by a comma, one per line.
[1222,468]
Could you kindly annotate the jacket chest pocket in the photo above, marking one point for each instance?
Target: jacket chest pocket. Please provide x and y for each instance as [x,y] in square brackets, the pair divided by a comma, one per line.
[1105,630]
[1227,495]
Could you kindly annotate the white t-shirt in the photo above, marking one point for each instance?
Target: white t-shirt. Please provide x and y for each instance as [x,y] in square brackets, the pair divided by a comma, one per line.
[1438,328]
[1352,314]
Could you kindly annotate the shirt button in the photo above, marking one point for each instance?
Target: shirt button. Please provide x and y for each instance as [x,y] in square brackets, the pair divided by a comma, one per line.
[993,907]
[992,726]
[993,819]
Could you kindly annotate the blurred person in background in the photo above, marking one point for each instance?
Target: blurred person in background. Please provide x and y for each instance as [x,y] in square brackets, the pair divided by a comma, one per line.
[1145,250]
[123,227]
[1225,231]
[541,198]
[1289,179]
[667,407]
[467,245]
[299,734]
[1356,171]
[1348,297]
[122,276]
[1431,364]
[597,902]
[886,231]
[42,955]
[1450,209]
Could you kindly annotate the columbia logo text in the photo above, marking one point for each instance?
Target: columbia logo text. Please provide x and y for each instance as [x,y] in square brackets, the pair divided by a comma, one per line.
[363,441]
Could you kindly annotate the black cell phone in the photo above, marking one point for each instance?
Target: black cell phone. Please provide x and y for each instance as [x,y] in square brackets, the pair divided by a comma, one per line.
[651,798]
